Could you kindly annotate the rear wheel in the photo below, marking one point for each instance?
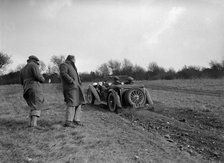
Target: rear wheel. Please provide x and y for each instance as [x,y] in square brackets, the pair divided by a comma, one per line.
[90,97]
[111,103]
[135,97]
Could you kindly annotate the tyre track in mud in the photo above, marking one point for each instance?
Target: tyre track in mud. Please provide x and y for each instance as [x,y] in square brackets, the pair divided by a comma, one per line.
[217,93]
[192,131]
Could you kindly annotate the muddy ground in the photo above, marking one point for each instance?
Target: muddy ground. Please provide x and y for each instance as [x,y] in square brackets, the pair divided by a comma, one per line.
[165,134]
[192,131]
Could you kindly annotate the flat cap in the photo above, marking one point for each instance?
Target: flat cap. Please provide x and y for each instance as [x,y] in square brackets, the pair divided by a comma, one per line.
[130,78]
[33,57]
[116,78]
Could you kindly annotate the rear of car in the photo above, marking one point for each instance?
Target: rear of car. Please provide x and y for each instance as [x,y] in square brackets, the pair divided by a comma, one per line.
[118,96]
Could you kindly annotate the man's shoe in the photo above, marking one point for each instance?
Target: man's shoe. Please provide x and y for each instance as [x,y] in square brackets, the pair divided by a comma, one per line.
[38,128]
[78,123]
[69,124]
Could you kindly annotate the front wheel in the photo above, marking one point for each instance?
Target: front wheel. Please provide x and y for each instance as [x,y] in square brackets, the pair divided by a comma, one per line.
[111,103]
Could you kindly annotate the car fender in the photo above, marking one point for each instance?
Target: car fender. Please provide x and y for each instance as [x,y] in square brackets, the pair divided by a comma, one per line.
[117,98]
[94,92]
[148,97]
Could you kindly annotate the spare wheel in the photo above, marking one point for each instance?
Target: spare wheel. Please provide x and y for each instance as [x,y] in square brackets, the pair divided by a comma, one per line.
[135,97]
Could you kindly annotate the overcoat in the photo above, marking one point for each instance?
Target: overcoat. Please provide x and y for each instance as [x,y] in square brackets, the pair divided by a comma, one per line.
[71,83]
[31,78]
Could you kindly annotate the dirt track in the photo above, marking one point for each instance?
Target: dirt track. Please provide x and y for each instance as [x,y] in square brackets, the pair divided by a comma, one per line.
[106,137]
[167,134]
[192,131]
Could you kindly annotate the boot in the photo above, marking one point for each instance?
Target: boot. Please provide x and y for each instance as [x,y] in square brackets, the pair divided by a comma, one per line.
[33,123]
[69,124]
[70,111]
[78,123]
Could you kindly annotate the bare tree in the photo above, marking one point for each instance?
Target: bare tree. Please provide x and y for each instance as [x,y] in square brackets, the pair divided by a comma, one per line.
[42,66]
[19,67]
[57,60]
[215,65]
[139,72]
[127,67]
[5,59]
[104,69]
[153,67]
[155,71]
[115,66]
[126,63]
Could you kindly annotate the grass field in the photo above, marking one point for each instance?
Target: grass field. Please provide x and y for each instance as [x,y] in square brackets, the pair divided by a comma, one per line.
[199,104]
[190,112]
[196,94]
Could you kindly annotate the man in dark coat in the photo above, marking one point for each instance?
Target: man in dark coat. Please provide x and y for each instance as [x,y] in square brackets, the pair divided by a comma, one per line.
[31,78]
[73,93]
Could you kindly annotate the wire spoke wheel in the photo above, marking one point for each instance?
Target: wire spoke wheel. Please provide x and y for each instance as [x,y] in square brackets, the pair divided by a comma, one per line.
[135,97]
[111,102]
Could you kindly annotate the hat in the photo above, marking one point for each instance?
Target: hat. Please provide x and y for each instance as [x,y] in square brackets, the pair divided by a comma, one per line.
[130,78]
[33,57]
[116,78]
[70,57]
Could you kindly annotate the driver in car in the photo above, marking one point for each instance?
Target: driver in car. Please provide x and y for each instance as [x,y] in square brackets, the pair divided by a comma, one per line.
[116,80]
[130,80]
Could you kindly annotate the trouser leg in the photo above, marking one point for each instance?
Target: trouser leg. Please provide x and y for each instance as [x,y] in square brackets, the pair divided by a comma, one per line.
[33,121]
[70,111]
[78,113]
[34,115]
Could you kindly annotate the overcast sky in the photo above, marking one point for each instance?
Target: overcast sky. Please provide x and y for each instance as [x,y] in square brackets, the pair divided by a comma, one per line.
[172,33]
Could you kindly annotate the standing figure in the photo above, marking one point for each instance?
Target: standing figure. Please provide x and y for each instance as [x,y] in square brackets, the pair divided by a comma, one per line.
[72,91]
[31,78]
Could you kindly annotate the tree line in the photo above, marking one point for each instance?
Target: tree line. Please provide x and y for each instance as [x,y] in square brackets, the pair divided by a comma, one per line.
[155,72]
[115,67]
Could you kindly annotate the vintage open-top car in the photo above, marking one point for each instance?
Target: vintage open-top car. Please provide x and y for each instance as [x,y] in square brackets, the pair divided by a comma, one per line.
[118,92]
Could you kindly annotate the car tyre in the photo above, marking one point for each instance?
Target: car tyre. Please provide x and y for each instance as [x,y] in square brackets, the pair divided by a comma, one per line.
[135,97]
[111,102]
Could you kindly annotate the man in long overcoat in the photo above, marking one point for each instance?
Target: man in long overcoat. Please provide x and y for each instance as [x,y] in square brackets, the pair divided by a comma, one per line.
[31,78]
[72,91]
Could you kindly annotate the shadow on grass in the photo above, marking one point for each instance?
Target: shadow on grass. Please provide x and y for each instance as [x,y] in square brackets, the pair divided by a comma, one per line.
[97,107]
[104,108]
[12,124]
[17,125]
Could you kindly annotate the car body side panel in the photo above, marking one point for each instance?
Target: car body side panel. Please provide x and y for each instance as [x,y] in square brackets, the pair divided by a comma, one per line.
[148,97]
[96,95]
